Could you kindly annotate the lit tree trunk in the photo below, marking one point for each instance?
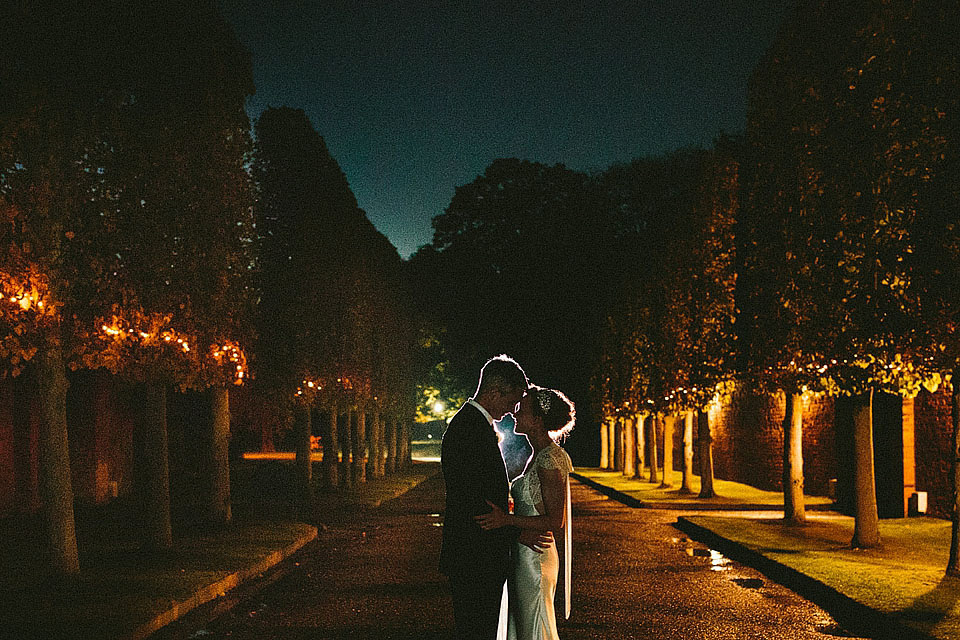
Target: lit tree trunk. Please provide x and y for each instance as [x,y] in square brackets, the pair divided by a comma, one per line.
[618,444]
[373,457]
[640,429]
[157,533]
[391,444]
[685,484]
[793,506]
[669,421]
[359,465]
[654,424]
[629,447]
[612,440]
[303,429]
[604,445]
[953,563]
[346,449]
[705,440]
[382,454]
[866,528]
[331,450]
[218,493]
[56,488]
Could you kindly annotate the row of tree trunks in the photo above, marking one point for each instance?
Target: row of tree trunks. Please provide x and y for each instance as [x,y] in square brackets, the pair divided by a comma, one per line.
[631,444]
[360,444]
[151,469]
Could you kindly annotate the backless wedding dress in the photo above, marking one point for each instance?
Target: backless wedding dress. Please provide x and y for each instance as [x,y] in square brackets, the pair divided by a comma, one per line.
[533,585]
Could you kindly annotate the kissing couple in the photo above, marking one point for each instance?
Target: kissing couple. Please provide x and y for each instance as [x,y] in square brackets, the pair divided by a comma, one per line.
[503,567]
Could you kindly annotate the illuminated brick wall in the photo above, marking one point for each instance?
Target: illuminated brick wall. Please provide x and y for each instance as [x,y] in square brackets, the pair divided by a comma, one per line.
[748,441]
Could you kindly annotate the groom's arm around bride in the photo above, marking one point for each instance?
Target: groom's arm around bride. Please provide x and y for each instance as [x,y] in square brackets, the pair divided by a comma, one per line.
[475,561]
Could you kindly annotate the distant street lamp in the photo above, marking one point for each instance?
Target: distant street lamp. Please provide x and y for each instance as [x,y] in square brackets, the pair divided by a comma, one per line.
[438,407]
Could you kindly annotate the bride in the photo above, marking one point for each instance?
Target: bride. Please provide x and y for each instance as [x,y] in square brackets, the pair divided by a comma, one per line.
[542,502]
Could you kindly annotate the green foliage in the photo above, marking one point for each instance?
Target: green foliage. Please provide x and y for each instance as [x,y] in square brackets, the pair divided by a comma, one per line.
[334,318]
[517,266]
[122,180]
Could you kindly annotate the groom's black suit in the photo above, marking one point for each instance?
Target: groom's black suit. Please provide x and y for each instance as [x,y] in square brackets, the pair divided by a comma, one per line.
[477,562]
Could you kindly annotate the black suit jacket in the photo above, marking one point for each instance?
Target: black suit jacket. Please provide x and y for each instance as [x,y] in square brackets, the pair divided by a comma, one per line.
[473,472]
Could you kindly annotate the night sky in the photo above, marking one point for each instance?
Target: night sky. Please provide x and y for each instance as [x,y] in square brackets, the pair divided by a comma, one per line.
[414,98]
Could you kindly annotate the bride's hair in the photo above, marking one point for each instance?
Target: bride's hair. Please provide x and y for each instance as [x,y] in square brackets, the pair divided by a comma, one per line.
[556,410]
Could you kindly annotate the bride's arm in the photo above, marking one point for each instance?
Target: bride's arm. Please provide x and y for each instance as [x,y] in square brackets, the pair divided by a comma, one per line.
[554,500]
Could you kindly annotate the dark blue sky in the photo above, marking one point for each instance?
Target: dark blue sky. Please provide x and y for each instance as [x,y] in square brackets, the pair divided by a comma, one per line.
[415,98]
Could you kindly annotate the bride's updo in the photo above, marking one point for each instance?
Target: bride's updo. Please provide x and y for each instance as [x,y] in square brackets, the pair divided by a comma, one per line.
[556,410]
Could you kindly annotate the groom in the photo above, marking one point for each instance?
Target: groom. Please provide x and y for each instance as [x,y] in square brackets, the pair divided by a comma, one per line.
[475,561]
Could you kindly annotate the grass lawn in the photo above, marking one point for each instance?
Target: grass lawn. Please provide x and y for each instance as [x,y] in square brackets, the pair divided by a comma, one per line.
[904,577]
[729,494]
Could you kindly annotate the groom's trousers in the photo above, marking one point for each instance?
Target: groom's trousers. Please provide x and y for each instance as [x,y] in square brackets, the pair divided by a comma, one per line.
[476,606]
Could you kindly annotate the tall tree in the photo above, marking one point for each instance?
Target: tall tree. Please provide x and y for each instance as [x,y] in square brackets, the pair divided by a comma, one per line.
[530,242]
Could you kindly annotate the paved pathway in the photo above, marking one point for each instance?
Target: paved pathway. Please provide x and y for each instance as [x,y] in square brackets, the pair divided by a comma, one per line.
[373,575]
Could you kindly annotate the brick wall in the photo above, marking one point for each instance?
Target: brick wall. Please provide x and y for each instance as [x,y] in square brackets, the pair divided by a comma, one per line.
[748,442]
[933,441]
[757,419]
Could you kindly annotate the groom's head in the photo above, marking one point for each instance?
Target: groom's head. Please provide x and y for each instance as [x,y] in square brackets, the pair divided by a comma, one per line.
[502,385]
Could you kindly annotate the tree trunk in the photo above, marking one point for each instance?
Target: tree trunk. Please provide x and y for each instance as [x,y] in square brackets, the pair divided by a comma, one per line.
[652,443]
[55,485]
[154,458]
[218,490]
[669,421]
[382,454]
[303,429]
[373,456]
[391,444]
[24,444]
[331,450]
[793,506]
[685,484]
[346,448]
[604,445]
[403,444]
[629,447]
[640,428]
[358,463]
[866,528]
[612,439]
[953,563]
[705,440]
[618,444]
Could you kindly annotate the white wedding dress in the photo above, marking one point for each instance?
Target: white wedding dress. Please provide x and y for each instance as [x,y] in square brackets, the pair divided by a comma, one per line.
[531,614]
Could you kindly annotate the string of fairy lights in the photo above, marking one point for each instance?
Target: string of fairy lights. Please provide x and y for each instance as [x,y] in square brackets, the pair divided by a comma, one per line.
[145,330]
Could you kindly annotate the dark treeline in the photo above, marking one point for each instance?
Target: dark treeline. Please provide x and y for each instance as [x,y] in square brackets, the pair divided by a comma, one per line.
[148,242]
[818,252]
